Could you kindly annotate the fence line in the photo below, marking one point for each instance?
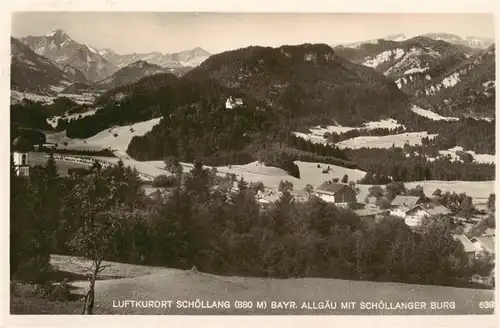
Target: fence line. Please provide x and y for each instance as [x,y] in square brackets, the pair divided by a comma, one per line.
[90,161]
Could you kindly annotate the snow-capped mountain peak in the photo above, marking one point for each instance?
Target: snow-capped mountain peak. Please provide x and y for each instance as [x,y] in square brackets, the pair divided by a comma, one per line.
[185,59]
[58,46]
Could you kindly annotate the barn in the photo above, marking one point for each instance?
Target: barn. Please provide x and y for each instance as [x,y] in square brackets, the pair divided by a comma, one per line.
[338,193]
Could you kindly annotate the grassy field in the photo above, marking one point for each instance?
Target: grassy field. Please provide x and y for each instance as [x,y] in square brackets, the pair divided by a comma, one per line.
[35,158]
[316,133]
[116,138]
[398,140]
[310,174]
[478,190]
[145,283]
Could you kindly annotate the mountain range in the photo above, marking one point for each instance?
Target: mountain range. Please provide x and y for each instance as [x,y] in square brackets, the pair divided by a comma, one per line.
[59,47]
[437,73]
[469,41]
[64,61]
[349,84]
[63,50]
[189,58]
[31,72]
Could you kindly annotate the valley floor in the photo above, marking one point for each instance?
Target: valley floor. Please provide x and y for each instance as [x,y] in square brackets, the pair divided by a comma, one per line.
[310,174]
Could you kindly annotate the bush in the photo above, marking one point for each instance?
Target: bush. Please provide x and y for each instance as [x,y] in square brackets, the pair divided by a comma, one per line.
[164,181]
[60,292]
[257,186]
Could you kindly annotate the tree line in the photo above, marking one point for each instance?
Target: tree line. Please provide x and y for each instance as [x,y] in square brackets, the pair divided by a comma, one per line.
[202,220]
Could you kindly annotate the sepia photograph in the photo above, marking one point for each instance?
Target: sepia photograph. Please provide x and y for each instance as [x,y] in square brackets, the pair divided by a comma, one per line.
[238,163]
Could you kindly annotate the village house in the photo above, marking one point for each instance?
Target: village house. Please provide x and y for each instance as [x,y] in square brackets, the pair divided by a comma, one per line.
[402,204]
[484,244]
[469,247]
[338,193]
[414,216]
[233,102]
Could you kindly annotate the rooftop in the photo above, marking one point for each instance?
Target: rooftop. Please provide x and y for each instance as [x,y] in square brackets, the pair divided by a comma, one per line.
[468,245]
[487,242]
[331,187]
[408,201]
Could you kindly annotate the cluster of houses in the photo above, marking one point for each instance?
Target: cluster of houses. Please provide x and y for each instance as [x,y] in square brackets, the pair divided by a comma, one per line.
[411,209]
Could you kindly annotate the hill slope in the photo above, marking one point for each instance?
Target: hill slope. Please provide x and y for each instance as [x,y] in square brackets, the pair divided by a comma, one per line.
[156,283]
[129,74]
[31,72]
[307,81]
[434,72]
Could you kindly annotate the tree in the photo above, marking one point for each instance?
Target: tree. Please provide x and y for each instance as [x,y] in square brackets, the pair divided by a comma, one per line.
[285,186]
[394,189]
[491,202]
[345,178]
[437,193]
[51,168]
[466,208]
[375,191]
[418,191]
[383,203]
[308,190]
[173,166]
[98,225]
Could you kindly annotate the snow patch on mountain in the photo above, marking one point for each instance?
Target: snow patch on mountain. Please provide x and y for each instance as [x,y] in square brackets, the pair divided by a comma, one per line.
[431,115]
[93,50]
[317,133]
[451,80]
[384,57]
[415,70]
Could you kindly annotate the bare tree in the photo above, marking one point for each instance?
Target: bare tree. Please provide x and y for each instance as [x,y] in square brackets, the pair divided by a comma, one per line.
[95,208]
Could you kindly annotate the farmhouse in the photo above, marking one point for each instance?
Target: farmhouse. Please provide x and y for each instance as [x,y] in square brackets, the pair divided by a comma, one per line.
[233,102]
[402,204]
[489,232]
[469,247]
[370,213]
[414,216]
[484,244]
[338,193]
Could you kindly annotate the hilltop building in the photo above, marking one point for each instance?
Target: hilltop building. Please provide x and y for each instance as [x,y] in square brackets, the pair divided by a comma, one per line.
[232,103]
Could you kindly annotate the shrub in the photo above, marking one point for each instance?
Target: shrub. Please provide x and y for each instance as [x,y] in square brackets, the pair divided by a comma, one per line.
[60,292]
[257,186]
[164,181]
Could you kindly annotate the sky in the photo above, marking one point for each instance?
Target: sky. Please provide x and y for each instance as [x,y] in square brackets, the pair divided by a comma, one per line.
[127,32]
